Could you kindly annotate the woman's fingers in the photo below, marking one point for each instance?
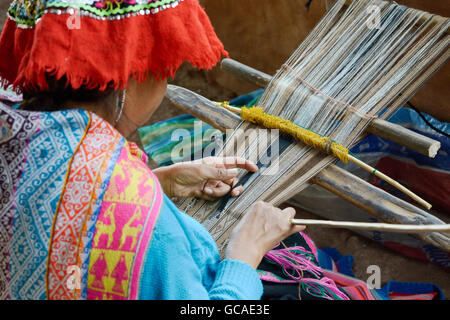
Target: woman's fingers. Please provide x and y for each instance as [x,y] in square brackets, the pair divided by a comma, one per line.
[216,188]
[222,174]
[238,162]
[224,170]
[202,195]
[237,191]
[230,163]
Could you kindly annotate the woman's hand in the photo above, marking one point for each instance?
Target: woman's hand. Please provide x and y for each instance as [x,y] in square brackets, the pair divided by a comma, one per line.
[207,178]
[260,230]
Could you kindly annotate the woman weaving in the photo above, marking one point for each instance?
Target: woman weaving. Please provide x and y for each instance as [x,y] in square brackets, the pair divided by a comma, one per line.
[77,199]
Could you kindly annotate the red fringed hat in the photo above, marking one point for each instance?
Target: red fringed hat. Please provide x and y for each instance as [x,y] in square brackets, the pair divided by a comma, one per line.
[100,44]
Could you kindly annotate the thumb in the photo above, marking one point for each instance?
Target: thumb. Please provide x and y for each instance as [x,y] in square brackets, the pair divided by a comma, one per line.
[290,212]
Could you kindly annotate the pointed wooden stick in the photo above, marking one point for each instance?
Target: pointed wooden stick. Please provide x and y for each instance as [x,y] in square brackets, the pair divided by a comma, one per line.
[389,180]
[386,227]
[366,167]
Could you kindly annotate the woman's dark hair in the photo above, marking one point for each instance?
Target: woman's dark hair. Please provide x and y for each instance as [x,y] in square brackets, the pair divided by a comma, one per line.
[58,94]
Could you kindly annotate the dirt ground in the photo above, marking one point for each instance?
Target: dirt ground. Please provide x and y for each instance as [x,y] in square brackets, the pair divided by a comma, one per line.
[393,266]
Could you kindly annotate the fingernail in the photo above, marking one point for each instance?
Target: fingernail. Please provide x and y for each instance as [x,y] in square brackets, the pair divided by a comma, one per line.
[208,191]
[236,192]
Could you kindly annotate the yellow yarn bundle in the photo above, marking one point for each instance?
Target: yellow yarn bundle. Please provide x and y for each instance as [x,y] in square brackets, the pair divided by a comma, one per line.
[257,116]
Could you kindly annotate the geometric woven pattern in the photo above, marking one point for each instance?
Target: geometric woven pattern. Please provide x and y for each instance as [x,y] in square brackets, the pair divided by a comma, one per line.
[73,211]
[46,141]
[15,132]
[74,194]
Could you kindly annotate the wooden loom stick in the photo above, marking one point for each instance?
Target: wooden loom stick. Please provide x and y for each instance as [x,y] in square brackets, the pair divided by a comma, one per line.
[367,168]
[389,180]
[379,127]
[385,227]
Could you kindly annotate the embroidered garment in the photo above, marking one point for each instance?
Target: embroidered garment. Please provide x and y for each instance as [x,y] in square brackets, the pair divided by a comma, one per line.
[101,43]
[324,274]
[79,209]
[77,203]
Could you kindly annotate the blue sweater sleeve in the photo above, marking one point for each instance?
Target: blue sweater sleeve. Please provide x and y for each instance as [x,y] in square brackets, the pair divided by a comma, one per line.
[183,262]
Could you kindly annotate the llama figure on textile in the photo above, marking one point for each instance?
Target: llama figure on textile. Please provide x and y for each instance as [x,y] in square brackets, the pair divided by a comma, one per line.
[106,229]
[129,231]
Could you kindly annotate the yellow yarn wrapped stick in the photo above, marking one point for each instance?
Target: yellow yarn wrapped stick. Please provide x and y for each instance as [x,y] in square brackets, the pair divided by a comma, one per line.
[257,116]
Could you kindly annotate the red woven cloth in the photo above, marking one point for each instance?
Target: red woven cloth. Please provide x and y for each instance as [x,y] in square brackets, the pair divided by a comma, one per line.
[104,53]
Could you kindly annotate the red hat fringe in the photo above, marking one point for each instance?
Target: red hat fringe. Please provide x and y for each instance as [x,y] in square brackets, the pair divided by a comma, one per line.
[105,53]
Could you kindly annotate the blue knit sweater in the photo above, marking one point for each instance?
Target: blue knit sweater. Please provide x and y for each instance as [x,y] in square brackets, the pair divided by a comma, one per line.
[183,262]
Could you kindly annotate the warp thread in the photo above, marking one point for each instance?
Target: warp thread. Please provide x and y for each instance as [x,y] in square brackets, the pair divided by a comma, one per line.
[339,102]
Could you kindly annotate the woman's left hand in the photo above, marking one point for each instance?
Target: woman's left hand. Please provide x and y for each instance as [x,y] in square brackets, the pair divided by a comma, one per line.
[207,178]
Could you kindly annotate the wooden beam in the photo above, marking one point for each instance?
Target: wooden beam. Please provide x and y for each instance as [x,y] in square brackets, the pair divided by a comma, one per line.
[371,199]
[378,202]
[379,127]
[381,227]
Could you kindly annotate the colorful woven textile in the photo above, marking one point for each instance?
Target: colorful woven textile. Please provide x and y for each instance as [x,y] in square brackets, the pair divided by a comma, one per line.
[177,139]
[78,206]
[101,43]
[291,271]
[339,268]
[36,150]
[314,273]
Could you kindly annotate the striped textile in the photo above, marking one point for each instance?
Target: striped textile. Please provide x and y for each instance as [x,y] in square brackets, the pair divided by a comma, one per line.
[163,139]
